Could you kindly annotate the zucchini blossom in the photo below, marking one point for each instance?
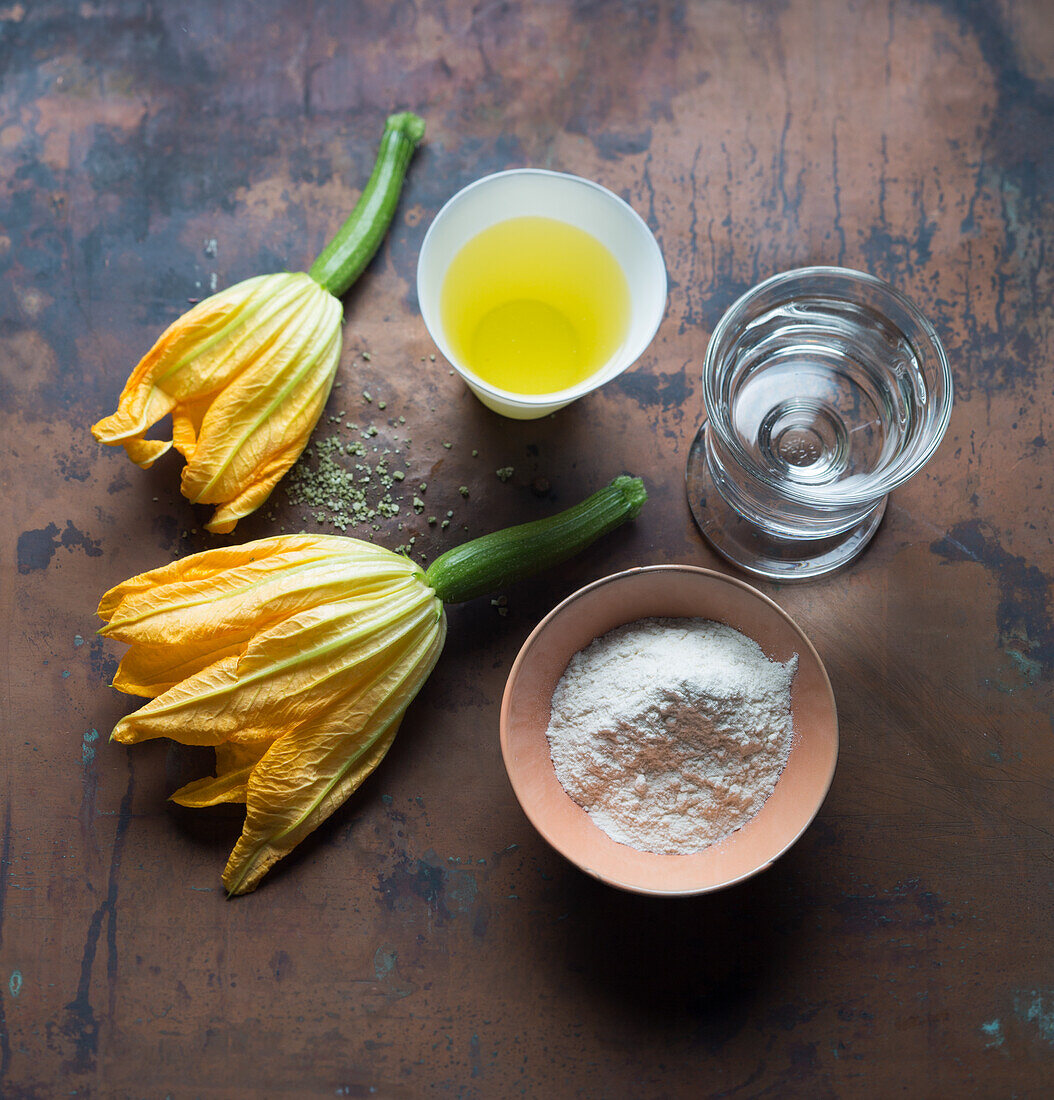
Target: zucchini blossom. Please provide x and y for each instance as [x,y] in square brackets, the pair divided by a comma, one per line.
[245,374]
[294,656]
[297,656]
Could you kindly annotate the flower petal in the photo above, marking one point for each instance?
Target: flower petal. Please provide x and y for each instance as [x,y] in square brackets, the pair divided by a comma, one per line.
[145,452]
[152,672]
[295,657]
[217,679]
[310,772]
[184,616]
[211,791]
[146,397]
[186,423]
[203,577]
[234,765]
[294,673]
[258,426]
[245,375]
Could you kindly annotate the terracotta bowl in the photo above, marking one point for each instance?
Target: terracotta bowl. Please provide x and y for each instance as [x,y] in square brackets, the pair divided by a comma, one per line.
[666,591]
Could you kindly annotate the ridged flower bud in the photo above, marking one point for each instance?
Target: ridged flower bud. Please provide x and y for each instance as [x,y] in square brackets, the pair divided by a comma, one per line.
[245,375]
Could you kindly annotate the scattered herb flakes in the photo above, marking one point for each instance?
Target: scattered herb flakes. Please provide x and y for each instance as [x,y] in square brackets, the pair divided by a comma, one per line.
[338,490]
[505,472]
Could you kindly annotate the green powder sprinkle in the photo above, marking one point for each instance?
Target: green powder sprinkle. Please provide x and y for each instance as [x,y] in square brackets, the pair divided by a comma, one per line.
[339,491]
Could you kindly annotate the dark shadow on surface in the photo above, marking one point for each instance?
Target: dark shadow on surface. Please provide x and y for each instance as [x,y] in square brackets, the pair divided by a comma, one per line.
[217,828]
[707,960]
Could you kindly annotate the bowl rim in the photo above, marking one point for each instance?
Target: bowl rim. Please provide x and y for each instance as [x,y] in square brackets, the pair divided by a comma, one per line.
[670,569]
[601,377]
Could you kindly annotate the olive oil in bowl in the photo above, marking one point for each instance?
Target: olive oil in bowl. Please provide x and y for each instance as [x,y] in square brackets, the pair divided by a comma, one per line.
[533,305]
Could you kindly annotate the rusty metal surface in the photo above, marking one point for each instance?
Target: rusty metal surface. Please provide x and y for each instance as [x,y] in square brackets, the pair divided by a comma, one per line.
[426,942]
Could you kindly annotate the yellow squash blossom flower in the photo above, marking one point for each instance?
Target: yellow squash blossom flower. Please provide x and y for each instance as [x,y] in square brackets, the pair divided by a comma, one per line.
[297,656]
[246,373]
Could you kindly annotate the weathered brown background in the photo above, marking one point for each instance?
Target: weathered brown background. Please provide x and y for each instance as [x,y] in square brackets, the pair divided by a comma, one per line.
[426,942]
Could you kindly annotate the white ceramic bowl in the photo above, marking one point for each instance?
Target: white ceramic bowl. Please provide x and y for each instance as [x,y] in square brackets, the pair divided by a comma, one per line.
[586,205]
[666,591]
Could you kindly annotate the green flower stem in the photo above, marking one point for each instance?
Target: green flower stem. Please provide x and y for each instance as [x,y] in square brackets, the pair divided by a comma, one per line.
[344,259]
[489,563]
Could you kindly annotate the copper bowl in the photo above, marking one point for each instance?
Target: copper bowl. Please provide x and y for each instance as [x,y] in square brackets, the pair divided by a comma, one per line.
[666,591]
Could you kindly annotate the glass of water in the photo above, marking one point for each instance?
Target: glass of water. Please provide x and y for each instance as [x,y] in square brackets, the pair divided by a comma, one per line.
[824,390]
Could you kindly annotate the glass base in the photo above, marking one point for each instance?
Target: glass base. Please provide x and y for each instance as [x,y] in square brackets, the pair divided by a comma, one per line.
[747,546]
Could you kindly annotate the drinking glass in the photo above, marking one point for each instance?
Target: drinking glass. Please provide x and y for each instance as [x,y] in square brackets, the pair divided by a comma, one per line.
[824,389]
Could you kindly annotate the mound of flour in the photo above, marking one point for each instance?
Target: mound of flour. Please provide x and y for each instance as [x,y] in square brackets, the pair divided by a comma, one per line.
[671,733]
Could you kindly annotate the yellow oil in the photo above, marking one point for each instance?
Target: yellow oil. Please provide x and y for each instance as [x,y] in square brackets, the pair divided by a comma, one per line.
[533,305]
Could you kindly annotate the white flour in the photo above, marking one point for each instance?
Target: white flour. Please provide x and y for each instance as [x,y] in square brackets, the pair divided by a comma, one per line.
[671,733]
